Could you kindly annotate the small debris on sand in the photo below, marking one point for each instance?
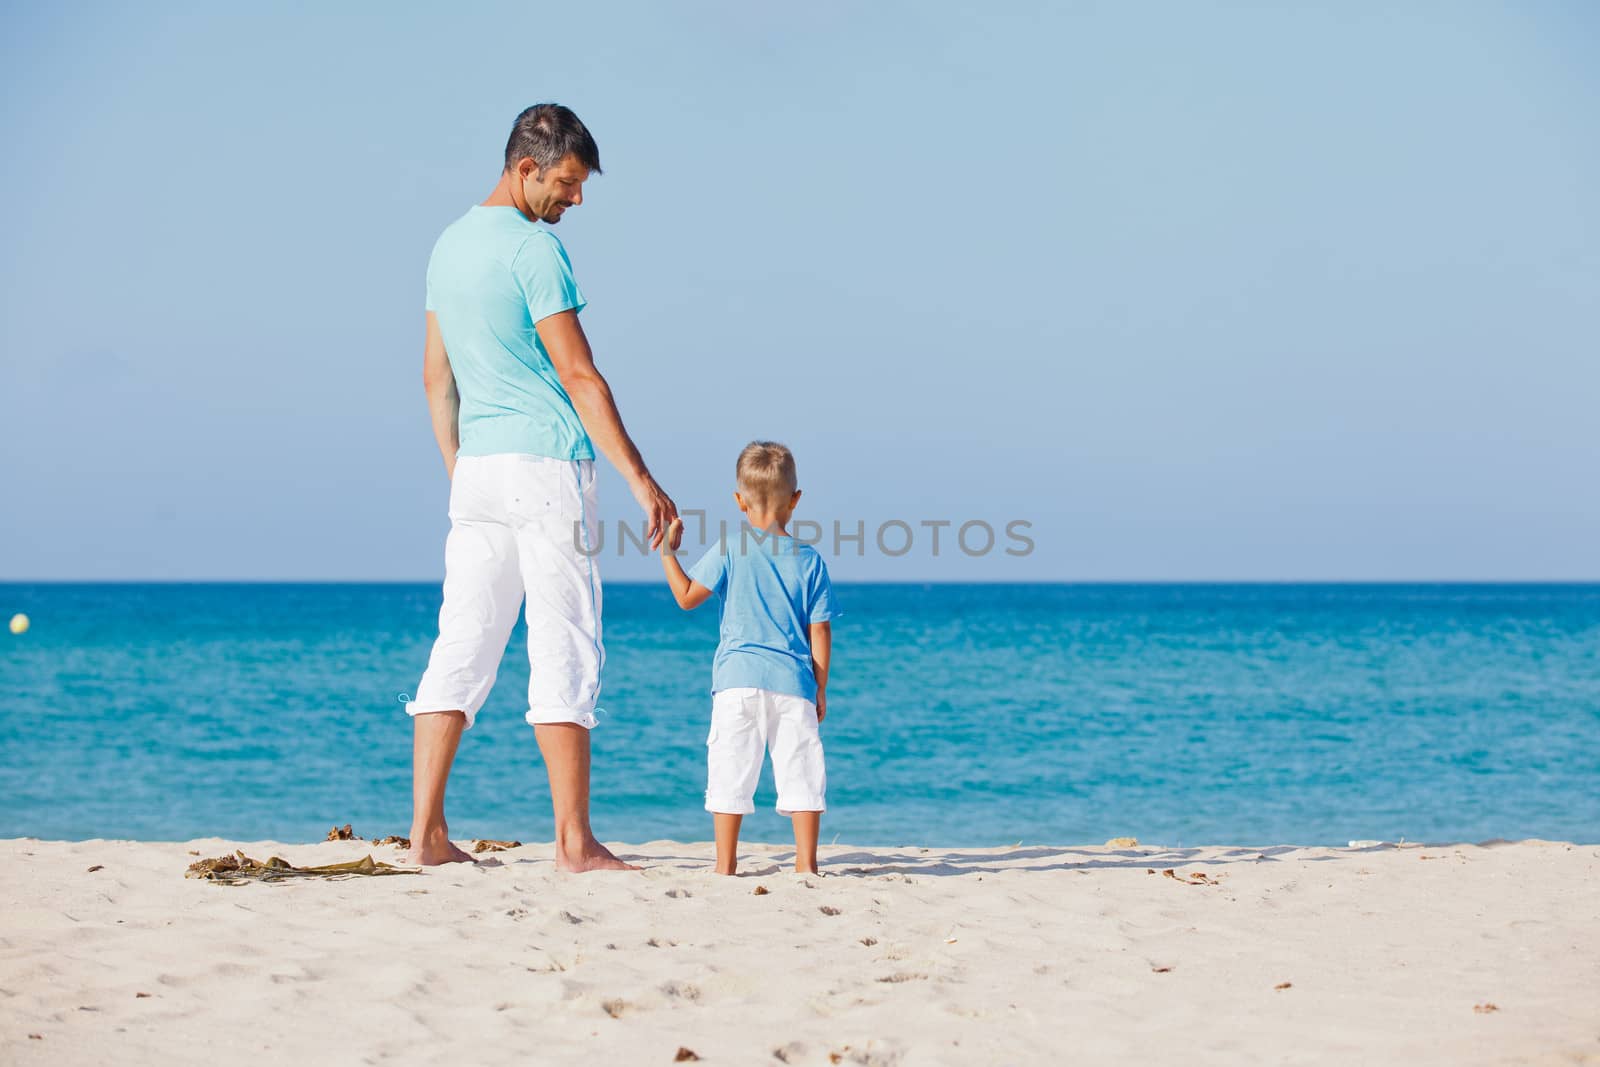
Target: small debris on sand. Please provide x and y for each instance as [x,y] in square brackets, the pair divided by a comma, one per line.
[613,1008]
[1284,985]
[342,833]
[827,910]
[685,1054]
[1161,970]
[97,867]
[494,846]
[761,891]
[869,941]
[394,839]
[1485,1009]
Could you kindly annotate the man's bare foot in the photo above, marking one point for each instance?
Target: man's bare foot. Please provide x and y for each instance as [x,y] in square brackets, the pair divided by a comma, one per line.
[588,855]
[433,849]
[804,870]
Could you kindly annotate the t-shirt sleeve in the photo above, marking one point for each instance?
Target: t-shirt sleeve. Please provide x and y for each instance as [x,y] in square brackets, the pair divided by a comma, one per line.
[711,570]
[820,603]
[545,274]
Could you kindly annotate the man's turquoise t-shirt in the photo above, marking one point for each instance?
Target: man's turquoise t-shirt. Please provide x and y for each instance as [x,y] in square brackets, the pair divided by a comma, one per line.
[772,589]
[492,276]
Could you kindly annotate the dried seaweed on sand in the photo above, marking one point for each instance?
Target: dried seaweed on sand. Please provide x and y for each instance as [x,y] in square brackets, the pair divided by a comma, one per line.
[239,868]
[494,846]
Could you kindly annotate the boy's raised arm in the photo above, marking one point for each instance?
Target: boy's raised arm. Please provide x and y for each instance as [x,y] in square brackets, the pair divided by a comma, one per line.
[686,591]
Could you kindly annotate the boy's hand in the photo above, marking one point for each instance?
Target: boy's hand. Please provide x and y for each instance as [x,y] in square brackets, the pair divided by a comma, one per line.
[822,706]
[674,536]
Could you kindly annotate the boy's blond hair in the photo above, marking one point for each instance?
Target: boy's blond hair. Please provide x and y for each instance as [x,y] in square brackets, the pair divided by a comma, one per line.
[766,475]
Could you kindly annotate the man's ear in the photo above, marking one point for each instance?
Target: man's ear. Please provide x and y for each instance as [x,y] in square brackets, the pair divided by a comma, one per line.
[527,168]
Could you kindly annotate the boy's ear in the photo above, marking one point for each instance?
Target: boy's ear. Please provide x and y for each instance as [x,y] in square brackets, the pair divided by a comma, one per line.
[737,499]
[794,500]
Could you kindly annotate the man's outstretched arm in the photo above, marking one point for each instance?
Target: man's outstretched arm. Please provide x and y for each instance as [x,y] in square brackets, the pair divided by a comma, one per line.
[444,403]
[573,360]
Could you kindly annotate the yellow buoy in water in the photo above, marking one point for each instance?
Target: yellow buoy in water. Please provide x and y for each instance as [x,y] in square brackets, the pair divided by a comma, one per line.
[19,624]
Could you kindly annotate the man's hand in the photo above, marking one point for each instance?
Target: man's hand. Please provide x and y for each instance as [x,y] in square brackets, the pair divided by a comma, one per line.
[658,509]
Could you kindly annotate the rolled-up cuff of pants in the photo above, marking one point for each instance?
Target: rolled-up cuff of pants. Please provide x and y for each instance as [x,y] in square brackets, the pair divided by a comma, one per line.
[729,805]
[417,707]
[547,714]
[790,805]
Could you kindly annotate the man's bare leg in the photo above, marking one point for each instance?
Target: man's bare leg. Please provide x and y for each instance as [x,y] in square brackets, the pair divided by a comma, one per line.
[434,737]
[806,826]
[565,748]
[727,830]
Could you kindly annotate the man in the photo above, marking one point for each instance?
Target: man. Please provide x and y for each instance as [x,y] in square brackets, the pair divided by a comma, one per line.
[518,408]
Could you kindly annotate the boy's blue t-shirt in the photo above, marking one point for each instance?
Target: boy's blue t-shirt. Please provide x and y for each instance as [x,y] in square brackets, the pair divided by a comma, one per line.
[492,276]
[772,589]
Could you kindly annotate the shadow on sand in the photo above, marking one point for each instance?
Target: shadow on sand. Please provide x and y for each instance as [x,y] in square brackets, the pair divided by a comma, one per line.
[948,863]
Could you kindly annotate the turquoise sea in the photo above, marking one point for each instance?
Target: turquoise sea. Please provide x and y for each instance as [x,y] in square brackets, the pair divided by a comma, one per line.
[959,715]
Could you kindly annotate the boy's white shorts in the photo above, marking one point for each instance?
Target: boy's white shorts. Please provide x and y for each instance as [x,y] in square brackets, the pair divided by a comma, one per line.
[519,525]
[746,722]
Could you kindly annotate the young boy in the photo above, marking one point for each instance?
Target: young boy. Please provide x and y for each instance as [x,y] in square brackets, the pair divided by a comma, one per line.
[770,676]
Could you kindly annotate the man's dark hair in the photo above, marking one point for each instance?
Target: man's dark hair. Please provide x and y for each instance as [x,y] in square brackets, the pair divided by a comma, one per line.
[549,133]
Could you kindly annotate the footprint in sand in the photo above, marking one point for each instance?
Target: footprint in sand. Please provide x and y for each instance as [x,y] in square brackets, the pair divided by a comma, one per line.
[682,991]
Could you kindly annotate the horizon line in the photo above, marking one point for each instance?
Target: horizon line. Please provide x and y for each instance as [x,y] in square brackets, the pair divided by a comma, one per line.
[854,581]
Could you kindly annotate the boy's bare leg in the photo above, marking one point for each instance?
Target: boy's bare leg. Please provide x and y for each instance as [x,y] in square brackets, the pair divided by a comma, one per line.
[806,826]
[434,738]
[727,831]
[565,748]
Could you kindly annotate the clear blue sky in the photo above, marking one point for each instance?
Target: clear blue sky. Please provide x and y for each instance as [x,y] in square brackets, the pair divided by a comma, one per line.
[1255,291]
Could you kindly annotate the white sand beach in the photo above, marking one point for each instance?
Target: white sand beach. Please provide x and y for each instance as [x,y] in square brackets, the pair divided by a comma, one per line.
[1415,954]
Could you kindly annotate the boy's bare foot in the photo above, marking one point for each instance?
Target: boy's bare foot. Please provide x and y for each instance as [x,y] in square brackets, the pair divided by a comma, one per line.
[588,855]
[431,850]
